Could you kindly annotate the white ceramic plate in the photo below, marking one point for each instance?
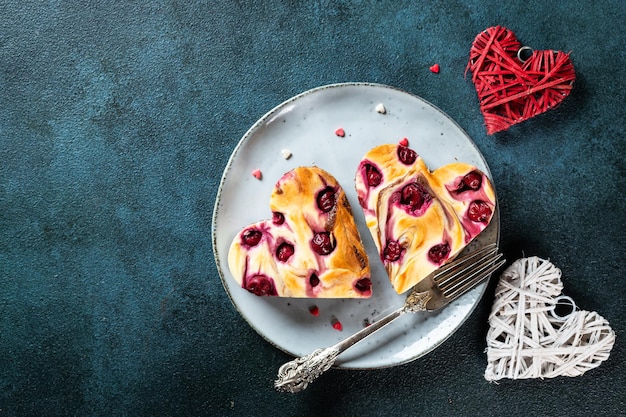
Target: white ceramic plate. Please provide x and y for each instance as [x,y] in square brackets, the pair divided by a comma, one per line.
[305,125]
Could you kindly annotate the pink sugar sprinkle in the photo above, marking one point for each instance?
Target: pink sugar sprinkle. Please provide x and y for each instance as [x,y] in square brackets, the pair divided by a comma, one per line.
[404,142]
[257,174]
[340,132]
[337,325]
[434,68]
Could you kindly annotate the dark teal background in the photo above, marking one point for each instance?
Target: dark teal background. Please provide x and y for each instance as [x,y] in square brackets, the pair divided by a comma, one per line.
[116,122]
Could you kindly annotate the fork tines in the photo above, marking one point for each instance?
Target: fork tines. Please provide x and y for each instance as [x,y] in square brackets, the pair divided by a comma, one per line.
[462,274]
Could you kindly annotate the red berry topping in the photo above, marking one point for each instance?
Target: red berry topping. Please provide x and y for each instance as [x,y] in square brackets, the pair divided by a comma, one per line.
[337,325]
[314,310]
[439,253]
[406,155]
[373,175]
[278,218]
[260,285]
[323,243]
[479,211]
[284,251]
[414,195]
[363,285]
[471,181]
[392,251]
[326,199]
[314,280]
[251,237]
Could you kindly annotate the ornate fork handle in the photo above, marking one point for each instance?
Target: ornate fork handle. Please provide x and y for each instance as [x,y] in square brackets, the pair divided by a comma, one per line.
[296,375]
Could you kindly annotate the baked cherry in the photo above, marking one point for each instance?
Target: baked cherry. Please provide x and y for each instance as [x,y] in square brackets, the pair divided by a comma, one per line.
[406,155]
[471,181]
[479,211]
[314,280]
[392,251]
[278,218]
[439,253]
[251,237]
[323,243]
[284,251]
[413,195]
[373,175]
[260,285]
[326,199]
[363,285]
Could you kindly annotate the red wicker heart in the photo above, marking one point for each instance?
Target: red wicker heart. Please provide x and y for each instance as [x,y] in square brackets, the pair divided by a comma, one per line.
[510,87]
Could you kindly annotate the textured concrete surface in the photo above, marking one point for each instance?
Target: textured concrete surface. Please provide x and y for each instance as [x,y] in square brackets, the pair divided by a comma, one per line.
[116,121]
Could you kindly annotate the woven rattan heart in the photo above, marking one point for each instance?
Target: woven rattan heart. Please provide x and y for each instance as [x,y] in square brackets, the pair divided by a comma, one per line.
[529,338]
[511,87]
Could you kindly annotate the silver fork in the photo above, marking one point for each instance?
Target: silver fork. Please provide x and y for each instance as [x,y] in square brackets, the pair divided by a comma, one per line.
[432,293]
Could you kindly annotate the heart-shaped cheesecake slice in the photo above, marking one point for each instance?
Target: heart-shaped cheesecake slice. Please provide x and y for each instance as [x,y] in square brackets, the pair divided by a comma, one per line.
[310,249]
[420,219]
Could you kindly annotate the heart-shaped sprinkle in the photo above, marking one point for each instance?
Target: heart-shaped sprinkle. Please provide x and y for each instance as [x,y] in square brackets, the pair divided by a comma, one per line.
[286,153]
[337,325]
[404,142]
[257,174]
[314,310]
[434,68]
[513,87]
[529,338]
[340,132]
[380,108]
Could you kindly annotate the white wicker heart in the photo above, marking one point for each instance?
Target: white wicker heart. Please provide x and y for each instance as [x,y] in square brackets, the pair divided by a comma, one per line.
[529,337]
